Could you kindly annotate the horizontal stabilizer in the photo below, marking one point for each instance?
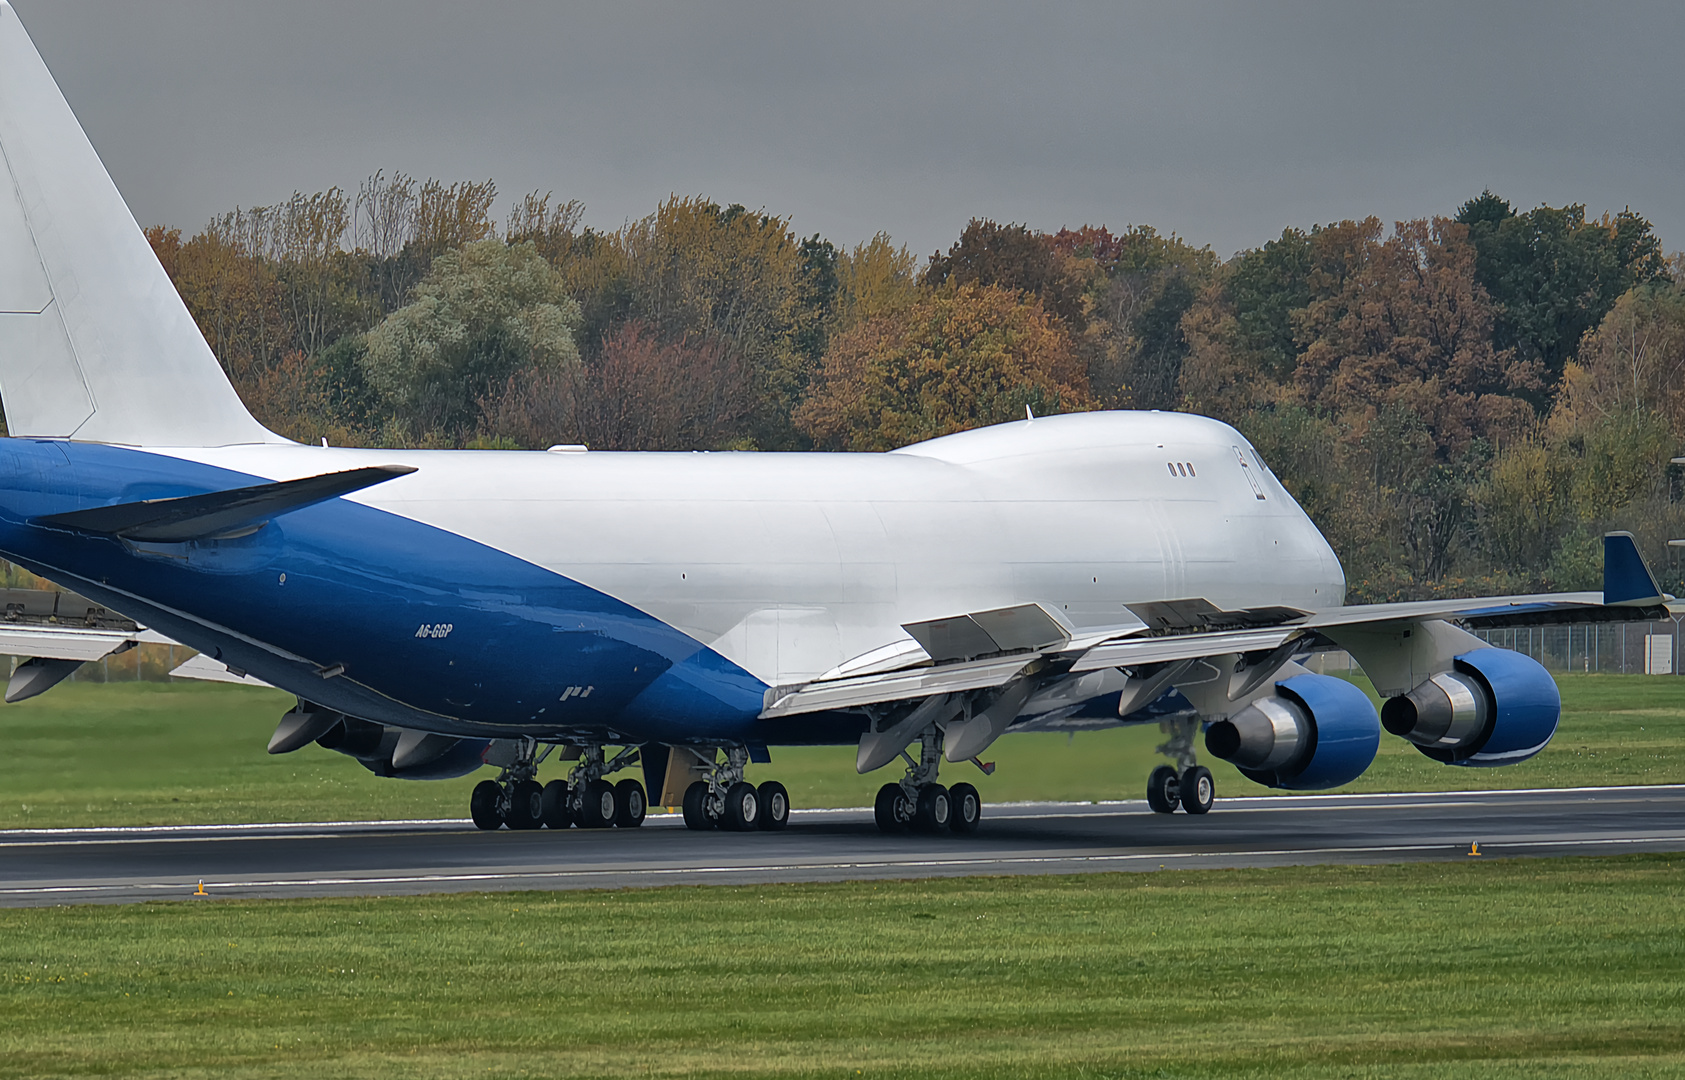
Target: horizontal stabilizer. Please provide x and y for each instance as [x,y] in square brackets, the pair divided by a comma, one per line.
[1627,581]
[220,513]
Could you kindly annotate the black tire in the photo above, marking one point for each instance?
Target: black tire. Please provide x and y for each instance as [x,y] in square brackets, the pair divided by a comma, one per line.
[775,805]
[890,809]
[696,806]
[1164,790]
[630,804]
[526,805]
[557,815]
[933,810]
[484,805]
[598,807]
[742,807]
[966,809]
[1198,790]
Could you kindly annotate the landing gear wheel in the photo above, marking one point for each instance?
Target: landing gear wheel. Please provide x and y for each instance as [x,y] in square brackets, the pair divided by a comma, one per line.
[630,804]
[483,805]
[742,807]
[965,808]
[556,813]
[597,808]
[933,809]
[1164,790]
[1198,790]
[891,809]
[696,806]
[775,805]
[526,805]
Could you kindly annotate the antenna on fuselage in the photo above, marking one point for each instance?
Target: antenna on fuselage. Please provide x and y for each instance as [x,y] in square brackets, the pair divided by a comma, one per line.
[1028,415]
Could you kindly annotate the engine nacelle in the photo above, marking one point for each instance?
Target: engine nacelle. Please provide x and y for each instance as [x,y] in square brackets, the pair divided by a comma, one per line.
[374,745]
[1496,707]
[1316,732]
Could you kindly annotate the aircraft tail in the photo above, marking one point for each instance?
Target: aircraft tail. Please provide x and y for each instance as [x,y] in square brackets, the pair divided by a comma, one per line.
[95,342]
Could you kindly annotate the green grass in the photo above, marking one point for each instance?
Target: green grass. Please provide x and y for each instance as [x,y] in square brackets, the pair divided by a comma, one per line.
[1572,967]
[153,753]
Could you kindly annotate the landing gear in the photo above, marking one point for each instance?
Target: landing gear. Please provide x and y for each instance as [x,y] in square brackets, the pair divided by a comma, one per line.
[1198,791]
[918,803]
[526,805]
[966,808]
[724,800]
[517,800]
[1164,790]
[775,805]
[485,805]
[698,808]
[514,799]
[1186,784]
[556,812]
[587,800]
[933,809]
[742,807]
[630,805]
[595,807]
[893,809]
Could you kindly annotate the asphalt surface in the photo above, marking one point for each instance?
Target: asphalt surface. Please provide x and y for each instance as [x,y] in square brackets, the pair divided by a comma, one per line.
[404,857]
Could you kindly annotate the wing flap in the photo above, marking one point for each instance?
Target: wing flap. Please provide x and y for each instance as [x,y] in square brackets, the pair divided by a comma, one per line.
[1181,647]
[895,686]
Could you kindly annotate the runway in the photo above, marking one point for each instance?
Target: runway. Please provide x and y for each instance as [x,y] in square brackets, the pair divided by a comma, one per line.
[116,865]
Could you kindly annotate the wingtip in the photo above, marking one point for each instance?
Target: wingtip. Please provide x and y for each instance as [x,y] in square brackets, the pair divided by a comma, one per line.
[1627,580]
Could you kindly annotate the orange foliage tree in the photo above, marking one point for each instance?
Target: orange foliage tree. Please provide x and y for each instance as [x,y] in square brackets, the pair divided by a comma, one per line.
[956,359]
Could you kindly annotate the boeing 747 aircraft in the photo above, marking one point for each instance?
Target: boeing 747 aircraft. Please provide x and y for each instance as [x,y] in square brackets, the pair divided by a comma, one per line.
[437,611]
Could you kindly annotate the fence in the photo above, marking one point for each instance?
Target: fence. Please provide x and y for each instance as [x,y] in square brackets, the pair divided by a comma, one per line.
[1644,648]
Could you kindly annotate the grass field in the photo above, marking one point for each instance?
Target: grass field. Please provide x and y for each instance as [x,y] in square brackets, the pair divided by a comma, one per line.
[1560,968]
[156,753]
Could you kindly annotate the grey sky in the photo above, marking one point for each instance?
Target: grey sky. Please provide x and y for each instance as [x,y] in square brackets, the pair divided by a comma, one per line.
[1221,122]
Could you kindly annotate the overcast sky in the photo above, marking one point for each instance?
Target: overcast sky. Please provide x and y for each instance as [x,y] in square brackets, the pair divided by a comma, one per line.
[1221,122]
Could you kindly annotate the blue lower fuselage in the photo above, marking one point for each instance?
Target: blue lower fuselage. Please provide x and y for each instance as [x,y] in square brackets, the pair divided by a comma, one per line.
[433,630]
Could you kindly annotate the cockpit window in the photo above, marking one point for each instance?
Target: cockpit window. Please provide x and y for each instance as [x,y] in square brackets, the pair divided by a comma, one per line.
[1250,474]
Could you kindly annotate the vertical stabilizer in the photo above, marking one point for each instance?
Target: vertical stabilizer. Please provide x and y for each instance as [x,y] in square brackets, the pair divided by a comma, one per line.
[95,343]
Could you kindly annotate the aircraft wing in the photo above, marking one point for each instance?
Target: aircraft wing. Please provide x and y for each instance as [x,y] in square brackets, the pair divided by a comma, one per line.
[987,650]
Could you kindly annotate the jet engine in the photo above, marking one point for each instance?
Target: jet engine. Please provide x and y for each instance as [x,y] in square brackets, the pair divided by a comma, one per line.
[1496,707]
[405,754]
[1315,732]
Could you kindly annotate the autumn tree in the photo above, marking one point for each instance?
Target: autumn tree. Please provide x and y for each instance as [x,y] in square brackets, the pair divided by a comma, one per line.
[1553,274]
[957,359]
[1133,289]
[481,314]
[635,393]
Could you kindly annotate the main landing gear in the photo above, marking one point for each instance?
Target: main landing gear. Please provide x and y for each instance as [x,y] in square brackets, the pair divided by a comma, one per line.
[724,800]
[1187,784]
[516,798]
[919,804]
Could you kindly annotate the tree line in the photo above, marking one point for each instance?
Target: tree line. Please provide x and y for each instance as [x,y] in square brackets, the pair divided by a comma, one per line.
[1460,403]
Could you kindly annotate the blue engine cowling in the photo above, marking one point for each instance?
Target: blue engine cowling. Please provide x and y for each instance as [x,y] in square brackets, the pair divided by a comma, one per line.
[1495,707]
[1316,732]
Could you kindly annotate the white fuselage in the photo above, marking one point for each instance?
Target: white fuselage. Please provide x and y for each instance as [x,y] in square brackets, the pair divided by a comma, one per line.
[790,564]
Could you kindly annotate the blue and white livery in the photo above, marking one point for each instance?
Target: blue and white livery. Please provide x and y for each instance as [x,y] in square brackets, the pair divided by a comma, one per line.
[434,611]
